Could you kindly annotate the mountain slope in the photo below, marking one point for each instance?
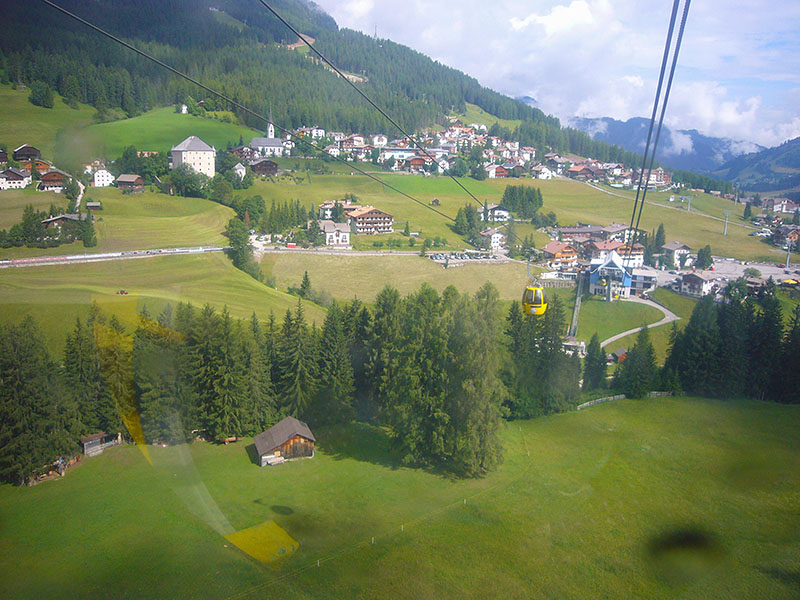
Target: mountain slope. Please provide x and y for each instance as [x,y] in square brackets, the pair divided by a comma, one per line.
[771,169]
[679,149]
[238,47]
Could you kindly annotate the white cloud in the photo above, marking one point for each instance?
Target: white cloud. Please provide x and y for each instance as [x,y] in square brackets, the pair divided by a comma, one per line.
[680,143]
[738,74]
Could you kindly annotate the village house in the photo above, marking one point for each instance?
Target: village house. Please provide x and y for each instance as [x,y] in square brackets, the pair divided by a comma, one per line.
[495,212]
[326,208]
[288,439]
[59,220]
[336,234]
[245,153]
[632,256]
[54,181]
[370,220]
[264,167]
[42,166]
[697,284]
[12,178]
[493,238]
[780,205]
[542,172]
[240,170]
[3,157]
[560,254]
[95,443]
[26,152]
[496,172]
[380,140]
[333,150]
[130,182]
[600,249]
[196,153]
[102,178]
[786,234]
[673,251]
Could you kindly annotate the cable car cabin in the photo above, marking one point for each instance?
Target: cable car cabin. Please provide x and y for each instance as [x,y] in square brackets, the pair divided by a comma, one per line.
[533,301]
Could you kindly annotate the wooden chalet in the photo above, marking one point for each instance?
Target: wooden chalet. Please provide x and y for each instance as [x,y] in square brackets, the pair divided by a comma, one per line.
[243,152]
[59,220]
[286,440]
[130,182]
[26,152]
[42,166]
[264,167]
[54,180]
[3,157]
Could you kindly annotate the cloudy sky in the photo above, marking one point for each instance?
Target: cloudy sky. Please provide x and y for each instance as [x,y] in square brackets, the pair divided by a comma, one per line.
[738,72]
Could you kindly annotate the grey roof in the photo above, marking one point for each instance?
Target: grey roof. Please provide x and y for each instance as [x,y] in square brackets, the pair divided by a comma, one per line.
[282,432]
[329,226]
[67,217]
[265,142]
[675,246]
[128,178]
[193,144]
[17,172]
[620,351]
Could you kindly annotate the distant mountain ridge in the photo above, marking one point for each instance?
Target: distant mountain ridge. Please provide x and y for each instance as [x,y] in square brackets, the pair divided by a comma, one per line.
[770,169]
[686,149]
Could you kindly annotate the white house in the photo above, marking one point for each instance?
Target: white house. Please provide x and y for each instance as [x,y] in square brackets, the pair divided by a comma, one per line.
[336,234]
[496,213]
[184,109]
[240,170]
[102,178]
[379,141]
[697,284]
[12,178]
[333,150]
[496,239]
[674,251]
[542,172]
[196,153]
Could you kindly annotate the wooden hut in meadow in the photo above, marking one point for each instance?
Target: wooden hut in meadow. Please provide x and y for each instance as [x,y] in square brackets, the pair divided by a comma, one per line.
[286,440]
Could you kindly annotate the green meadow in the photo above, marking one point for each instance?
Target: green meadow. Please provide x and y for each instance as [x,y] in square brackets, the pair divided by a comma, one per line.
[24,123]
[131,221]
[55,295]
[666,498]
[13,202]
[159,130]
[475,114]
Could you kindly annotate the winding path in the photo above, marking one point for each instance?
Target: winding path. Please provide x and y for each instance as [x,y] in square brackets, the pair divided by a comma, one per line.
[669,317]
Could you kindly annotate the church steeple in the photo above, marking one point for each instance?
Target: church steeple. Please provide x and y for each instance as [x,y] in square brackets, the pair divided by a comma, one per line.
[270,126]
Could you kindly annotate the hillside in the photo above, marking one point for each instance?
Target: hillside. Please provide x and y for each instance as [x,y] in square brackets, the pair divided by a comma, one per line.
[680,149]
[768,170]
[675,497]
[236,46]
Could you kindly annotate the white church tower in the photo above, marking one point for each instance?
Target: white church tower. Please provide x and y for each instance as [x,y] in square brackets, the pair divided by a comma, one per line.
[270,126]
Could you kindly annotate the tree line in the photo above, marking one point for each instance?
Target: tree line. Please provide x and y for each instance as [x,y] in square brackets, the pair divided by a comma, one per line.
[439,370]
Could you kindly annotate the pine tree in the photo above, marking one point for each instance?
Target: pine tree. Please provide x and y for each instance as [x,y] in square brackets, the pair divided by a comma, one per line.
[594,371]
[334,399]
[638,373]
[305,286]
[38,417]
[298,372]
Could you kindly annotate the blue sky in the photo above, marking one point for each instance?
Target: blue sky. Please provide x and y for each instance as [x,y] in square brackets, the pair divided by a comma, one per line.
[738,73]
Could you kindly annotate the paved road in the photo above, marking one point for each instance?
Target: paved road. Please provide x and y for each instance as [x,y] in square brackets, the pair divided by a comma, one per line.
[669,317]
[43,261]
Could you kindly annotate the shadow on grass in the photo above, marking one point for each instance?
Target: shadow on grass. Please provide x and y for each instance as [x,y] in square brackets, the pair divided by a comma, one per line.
[369,443]
[786,577]
[252,454]
[358,441]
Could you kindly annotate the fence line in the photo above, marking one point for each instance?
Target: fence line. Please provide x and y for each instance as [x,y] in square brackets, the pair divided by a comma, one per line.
[619,397]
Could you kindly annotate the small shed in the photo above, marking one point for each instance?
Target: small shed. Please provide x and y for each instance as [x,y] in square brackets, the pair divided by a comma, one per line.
[131,182]
[95,443]
[291,438]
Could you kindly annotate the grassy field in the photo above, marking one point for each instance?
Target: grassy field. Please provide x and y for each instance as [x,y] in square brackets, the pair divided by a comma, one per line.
[609,318]
[24,123]
[571,201]
[161,129]
[13,202]
[682,306]
[475,114]
[665,498]
[135,222]
[55,295]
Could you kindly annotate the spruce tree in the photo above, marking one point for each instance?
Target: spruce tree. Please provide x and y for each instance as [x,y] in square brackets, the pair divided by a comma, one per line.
[298,379]
[594,371]
[334,398]
[638,372]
